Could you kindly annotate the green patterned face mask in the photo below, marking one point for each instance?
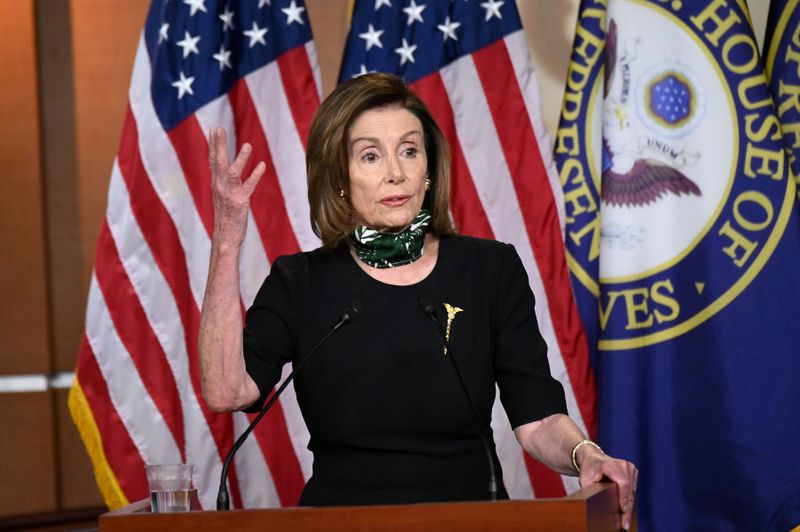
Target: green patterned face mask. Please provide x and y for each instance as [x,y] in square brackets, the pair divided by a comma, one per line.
[389,250]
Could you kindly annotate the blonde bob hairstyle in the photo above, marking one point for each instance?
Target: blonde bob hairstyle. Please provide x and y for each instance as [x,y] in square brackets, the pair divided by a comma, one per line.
[327,158]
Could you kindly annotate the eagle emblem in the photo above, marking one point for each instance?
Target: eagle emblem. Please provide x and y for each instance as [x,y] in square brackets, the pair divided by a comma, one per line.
[628,177]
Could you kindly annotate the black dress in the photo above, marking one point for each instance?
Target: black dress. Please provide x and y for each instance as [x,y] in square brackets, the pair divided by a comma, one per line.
[388,420]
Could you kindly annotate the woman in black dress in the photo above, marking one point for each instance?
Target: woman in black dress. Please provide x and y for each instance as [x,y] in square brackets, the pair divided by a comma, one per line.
[388,417]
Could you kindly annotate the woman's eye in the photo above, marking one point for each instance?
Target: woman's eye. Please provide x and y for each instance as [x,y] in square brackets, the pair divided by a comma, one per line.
[369,157]
[410,152]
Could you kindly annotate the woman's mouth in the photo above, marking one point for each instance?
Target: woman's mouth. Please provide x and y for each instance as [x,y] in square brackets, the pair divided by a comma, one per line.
[394,201]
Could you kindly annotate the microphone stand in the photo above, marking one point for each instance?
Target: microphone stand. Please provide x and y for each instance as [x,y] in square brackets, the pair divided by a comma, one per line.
[223,502]
[430,311]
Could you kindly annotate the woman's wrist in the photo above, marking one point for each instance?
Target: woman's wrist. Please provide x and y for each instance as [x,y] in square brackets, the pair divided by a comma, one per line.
[580,451]
[225,247]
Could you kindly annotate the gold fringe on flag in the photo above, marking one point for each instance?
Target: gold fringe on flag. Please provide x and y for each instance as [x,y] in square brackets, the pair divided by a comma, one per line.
[104,475]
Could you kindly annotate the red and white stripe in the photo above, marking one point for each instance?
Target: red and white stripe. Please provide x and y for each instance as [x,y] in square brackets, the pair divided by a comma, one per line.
[138,365]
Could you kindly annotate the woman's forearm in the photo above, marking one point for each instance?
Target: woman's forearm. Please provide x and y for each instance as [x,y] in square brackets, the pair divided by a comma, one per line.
[551,441]
[224,380]
[225,383]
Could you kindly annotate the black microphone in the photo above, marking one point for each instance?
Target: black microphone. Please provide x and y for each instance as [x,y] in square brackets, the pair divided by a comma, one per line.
[430,310]
[350,313]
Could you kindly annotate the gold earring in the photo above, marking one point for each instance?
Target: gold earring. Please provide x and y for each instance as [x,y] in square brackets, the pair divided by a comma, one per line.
[427,184]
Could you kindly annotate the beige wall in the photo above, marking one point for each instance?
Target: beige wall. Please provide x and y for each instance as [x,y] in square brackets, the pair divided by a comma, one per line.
[66,66]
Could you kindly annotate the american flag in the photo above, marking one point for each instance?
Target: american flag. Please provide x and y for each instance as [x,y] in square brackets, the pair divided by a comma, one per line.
[251,67]
[469,61]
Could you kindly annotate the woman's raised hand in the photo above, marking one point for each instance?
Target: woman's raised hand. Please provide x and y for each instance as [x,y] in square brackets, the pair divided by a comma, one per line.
[231,196]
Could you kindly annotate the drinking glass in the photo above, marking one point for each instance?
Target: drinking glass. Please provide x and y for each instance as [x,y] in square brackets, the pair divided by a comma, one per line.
[170,487]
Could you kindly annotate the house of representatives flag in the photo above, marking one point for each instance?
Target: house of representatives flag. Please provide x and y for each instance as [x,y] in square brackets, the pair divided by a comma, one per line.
[469,62]
[782,64]
[249,67]
[683,238]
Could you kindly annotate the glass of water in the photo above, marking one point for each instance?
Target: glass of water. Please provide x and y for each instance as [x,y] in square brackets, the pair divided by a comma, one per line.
[170,487]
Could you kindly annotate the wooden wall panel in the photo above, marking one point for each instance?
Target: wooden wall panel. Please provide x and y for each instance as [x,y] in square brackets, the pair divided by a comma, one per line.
[330,21]
[56,98]
[104,40]
[76,484]
[27,461]
[23,313]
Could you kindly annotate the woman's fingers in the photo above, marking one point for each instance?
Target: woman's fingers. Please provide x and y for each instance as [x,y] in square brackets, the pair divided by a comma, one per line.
[218,157]
[250,184]
[229,190]
[626,476]
[621,472]
[626,505]
[231,196]
[218,150]
[236,169]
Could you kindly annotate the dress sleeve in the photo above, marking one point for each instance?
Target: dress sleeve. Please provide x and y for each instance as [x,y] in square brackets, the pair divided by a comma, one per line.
[269,333]
[527,390]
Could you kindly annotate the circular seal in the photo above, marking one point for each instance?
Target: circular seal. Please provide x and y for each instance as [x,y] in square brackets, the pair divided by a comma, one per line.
[694,191]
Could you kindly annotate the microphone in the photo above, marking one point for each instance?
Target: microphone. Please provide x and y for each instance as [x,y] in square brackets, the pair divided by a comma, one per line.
[350,313]
[430,310]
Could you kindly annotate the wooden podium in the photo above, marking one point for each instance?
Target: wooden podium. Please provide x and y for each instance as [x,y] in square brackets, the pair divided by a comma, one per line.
[593,508]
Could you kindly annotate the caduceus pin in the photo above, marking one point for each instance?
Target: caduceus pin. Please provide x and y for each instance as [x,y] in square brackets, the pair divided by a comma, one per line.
[451,315]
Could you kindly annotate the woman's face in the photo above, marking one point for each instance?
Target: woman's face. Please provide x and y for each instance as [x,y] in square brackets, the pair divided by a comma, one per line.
[388,166]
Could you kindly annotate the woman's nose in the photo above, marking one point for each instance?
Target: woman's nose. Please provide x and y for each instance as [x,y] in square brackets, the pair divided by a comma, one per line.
[394,172]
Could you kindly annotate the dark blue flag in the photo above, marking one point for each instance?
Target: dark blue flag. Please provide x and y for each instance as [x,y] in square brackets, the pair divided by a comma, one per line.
[782,64]
[683,239]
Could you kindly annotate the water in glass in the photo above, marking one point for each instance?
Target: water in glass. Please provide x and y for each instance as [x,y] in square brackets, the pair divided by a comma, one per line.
[172,500]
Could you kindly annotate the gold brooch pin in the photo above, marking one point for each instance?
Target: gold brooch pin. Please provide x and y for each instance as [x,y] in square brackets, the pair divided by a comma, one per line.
[451,315]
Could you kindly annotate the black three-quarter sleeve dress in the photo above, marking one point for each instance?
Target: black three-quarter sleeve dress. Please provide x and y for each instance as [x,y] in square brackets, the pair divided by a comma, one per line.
[388,420]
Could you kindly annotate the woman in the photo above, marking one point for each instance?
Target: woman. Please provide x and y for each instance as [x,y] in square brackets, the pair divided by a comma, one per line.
[388,419]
